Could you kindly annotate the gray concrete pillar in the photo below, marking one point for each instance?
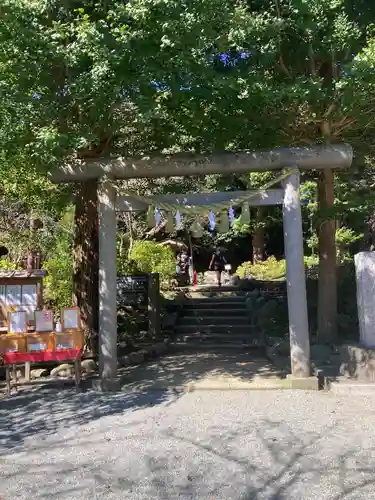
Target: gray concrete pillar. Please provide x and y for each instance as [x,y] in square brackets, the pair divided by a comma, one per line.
[107,281]
[296,282]
[365,277]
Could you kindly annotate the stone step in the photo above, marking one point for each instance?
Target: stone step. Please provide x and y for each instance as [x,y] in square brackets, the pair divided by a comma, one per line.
[214,313]
[244,329]
[212,288]
[215,305]
[202,319]
[216,347]
[215,299]
[218,338]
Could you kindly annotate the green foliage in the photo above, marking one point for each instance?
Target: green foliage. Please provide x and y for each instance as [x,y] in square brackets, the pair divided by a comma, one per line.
[239,228]
[126,267]
[6,263]
[313,242]
[83,80]
[153,258]
[270,269]
[345,237]
[58,284]
[311,261]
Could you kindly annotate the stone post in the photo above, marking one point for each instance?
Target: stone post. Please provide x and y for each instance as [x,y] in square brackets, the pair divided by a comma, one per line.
[296,282]
[365,278]
[154,323]
[107,281]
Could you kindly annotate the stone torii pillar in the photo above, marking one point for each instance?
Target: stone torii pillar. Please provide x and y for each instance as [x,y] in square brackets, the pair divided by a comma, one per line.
[107,281]
[296,278]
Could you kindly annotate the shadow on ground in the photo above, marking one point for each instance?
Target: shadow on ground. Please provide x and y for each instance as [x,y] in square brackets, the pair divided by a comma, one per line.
[41,410]
[181,369]
[154,383]
[261,459]
[298,466]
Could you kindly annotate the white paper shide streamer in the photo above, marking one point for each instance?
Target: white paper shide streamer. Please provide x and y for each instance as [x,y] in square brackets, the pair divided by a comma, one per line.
[224,211]
[196,229]
[169,227]
[245,214]
[223,226]
[178,220]
[150,217]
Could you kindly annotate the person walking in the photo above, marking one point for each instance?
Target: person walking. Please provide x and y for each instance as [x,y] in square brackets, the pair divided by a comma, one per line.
[218,262]
[183,266]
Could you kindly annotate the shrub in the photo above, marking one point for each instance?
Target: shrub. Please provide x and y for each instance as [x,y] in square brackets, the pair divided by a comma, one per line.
[345,238]
[153,258]
[270,269]
[8,264]
[311,261]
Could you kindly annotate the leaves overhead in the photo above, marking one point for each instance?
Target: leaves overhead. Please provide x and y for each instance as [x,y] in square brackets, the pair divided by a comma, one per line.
[116,77]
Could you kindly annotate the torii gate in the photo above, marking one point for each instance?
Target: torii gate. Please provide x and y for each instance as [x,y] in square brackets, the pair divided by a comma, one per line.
[107,171]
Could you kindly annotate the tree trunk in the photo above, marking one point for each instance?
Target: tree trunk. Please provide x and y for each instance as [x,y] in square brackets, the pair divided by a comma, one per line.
[31,254]
[86,261]
[258,237]
[327,287]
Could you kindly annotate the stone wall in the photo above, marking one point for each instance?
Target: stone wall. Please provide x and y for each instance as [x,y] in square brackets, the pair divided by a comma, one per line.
[357,362]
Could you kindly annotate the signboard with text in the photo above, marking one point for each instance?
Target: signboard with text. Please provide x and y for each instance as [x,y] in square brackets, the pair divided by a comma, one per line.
[132,290]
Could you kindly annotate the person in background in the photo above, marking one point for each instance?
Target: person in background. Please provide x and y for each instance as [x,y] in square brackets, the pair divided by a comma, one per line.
[218,262]
[183,265]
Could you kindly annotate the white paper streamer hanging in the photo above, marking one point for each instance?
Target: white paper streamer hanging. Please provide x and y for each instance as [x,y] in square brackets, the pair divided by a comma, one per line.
[223,226]
[245,214]
[157,216]
[178,220]
[215,207]
[231,215]
[196,230]
[169,227]
[212,220]
[150,217]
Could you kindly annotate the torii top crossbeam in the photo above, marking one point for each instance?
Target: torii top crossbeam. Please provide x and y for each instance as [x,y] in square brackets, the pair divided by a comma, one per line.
[335,156]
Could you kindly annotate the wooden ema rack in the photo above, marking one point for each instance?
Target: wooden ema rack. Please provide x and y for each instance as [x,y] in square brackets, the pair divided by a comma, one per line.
[41,347]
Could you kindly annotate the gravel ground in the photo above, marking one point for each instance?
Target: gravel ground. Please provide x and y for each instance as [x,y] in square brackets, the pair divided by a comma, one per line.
[260,445]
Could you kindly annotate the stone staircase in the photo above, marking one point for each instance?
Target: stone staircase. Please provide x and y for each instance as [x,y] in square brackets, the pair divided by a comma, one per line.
[218,321]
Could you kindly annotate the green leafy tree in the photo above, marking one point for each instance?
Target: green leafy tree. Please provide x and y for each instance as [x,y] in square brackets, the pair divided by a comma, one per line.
[92,79]
[153,258]
[302,53]
[124,78]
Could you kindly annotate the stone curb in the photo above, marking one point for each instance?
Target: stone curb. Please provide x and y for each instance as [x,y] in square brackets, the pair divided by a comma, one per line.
[279,362]
[119,384]
[306,384]
[138,357]
[349,388]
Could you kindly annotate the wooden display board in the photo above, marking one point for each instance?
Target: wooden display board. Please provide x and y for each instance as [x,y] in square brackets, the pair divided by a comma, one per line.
[45,342]
[17,322]
[21,291]
[20,346]
[70,319]
[43,321]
